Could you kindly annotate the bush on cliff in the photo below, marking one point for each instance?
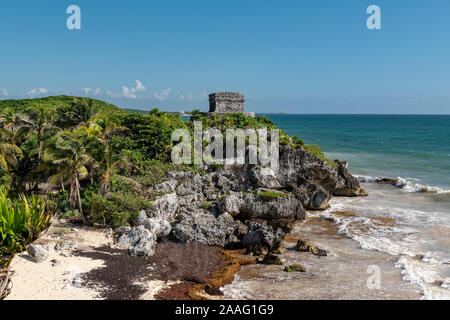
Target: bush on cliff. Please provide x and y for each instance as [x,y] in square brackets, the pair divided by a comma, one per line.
[315,150]
[268,195]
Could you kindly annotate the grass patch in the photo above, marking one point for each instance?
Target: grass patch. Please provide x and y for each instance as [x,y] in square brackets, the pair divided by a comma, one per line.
[315,151]
[270,195]
[206,206]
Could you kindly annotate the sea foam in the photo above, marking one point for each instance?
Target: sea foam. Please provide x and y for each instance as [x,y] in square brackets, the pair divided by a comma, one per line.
[403,183]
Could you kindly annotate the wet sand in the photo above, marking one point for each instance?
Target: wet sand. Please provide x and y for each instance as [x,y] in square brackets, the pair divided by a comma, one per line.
[342,275]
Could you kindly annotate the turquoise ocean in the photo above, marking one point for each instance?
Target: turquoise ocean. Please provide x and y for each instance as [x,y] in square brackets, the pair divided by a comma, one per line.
[407,222]
[416,147]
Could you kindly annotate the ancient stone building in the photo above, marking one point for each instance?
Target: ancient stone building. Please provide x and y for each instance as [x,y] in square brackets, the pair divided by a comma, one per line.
[226,102]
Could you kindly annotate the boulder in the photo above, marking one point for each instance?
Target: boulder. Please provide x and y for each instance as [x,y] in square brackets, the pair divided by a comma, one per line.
[125,229]
[350,186]
[299,165]
[312,196]
[161,228]
[295,268]
[272,259]
[164,208]
[305,246]
[232,204]
[139,241]
[261,239]
[37,253]
[139,221]
[66,246]
[255,207]
[264,177]
[205,228]
[250,206]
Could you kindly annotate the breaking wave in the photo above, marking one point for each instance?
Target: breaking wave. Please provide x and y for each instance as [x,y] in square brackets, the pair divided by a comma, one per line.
[406,184]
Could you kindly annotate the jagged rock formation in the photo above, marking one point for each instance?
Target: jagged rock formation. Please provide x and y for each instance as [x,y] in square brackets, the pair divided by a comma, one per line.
[240,206]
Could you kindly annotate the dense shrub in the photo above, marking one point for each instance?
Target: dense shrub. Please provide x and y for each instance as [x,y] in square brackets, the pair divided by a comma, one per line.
[151,135]
[21,222]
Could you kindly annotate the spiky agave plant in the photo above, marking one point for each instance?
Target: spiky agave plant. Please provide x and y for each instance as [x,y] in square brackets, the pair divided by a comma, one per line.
[21,223]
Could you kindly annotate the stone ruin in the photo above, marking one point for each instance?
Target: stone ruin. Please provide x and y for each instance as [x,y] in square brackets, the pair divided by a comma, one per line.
[226,102]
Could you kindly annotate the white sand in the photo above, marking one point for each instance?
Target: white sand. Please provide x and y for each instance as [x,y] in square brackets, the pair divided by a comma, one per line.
[57,278]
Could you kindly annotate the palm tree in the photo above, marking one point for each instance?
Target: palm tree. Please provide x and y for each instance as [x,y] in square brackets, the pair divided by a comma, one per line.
[10,119]
[82,111]
[111,161]
[41,120]
[111,164]
[72,153]
[8,149]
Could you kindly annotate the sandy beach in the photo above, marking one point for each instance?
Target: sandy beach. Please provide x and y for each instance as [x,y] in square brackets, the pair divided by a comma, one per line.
[60,276]
[84,264]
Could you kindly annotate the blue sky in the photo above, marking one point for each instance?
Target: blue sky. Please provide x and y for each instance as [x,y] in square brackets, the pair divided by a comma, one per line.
[285,56]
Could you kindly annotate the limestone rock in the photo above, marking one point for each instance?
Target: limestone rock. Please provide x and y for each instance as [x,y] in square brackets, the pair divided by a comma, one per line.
[262,239]
[166,186]
[37,253]
[66,246]
[265,178]
[350,187]
[205,228]
[139,242]
[164,208]
[272,259]
[304,246]
[312,196]
[295,268]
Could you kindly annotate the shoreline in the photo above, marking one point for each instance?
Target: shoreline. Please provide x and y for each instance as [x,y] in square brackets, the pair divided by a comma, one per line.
[342,275]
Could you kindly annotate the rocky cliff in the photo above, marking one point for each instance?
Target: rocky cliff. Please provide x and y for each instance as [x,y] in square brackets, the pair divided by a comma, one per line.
[245,206]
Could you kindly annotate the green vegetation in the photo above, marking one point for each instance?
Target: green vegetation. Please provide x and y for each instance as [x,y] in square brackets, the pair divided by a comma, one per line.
[315,150]
[206,206]
[93,162]
[270,195]
[21,223]
[240,120]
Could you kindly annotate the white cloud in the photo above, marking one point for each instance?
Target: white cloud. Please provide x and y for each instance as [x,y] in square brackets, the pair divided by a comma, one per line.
[140,86]
[131,92]
[36,92]
[128,93]
[162,95]
[86,91]
[97,91]
[4,92]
